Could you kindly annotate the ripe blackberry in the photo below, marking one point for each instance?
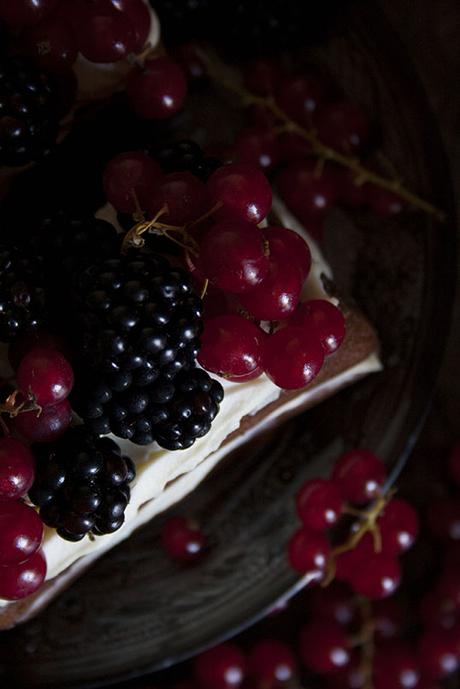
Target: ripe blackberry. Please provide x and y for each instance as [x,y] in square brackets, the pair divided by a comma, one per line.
[186,155]
[22,293]
[29,117]
[82,484]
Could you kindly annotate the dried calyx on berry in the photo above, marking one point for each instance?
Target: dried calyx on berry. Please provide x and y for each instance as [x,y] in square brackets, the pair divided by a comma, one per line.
[82,484]
[138,326]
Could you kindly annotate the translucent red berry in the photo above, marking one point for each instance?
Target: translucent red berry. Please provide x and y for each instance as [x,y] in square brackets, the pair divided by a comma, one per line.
[182,539]
[45,373]
[350,561]
[17,469]
[21,580]
[399,526]
[222,667]
[20,13]
[188,58]
[395,666]
[137,13]
[257,147]
[308,190]
[388,617]
[182,195]
[301,96]
[324,647]
[343,126]
[323,318]
[360,474]
[242,191]
[383,202]
[232,347]
[292,358]
[377,577]
[319,504]
[308,552]
[233,256]
[157,91]
[105,35]
[130,176]
[271,663]
[46,426]
[438,653]
[21,532]
[290,244]
[336,602]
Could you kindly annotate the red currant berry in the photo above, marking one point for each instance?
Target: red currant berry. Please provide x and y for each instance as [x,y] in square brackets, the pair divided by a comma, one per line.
[395,666]
[324,319]
[292,358]
[188,58]
[278,294]
[438,653]
[319,504]
[183,195]
[21,532]
[233,256]
[262,76]
[336,602]
[232,347]
[384,203]
[222,667]
[40,338]
[137,13]
[243,192]
[104,35]
[46,374]
[444,519]
[439,610]
[52,45]
[215,303]
[324,647]
[20,13]
[360,475]
[271,662]
[343,126]
[308,552]
[448,589]
[352,676]
[388,618]
[307,191]
[21,580]
[348,191]
[182,539]
[301,96]
[158,90]
[17,469]
[398,526]
[293,148]
[45,427]
[454,463]
[378,577]
[292,245]
[130,175]
[257,147]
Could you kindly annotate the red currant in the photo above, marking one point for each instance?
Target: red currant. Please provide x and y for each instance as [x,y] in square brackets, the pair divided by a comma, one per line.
[319,504]
[232,347]
[157,91]
[350,561]
[398,526]
[188,58]
[438,654]
[440,610]
[21,580]
[17,469]
[292,358]
[324,647]
[17,352]
[352,676]
[343,126]
[454,463]
[383,202]
[336,602]
[444,519]
[182,539]
[257,147]
[262,76]
[395,666]
[182,194]
[104,35]
[271,662]
[324,319]
[137,13]
[360,475]
[52,45]
[308,552]
[46,426]
[46,374]
[301,96]
[307,191]
[20,13]
[242,191]
[233,256]
[130,175]
[222,667]
[294,248]
[378,577]
[21,532]
[388,618]
[348,191]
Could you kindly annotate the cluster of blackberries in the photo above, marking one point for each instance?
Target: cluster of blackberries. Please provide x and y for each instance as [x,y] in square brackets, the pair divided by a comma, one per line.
[82,484]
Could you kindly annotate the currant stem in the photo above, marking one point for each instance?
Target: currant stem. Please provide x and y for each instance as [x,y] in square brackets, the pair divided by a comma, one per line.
[368,642]
[362,174]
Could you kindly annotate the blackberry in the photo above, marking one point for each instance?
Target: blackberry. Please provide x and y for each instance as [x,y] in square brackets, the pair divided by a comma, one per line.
[186,156]
[29,117]
[22,293]
[82,484]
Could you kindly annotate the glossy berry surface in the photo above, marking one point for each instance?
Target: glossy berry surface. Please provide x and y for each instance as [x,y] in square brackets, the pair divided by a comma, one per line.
[291,245]
[324,647]
[104,34]
[257,147]
[158,90]
[319,504]
[232,347]
[377,577]
[17,469]
[22,13]
[242,191]
[129,175]
[49,425]
[438,654]
[136,12]
[292,358]
[396,666]
[343,126]
[308,191]
[21,532]
[324,319]
[222,667]
[335,602]
[399,526]
[271,662]
[308,552]
[182,540]
[183,197]
[21,580]
[301,96]
[45,373]
[60,50]
[360,475]
[233,257]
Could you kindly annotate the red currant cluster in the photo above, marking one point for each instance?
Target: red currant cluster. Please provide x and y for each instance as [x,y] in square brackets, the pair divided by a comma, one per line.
[382,528]
[182,539]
